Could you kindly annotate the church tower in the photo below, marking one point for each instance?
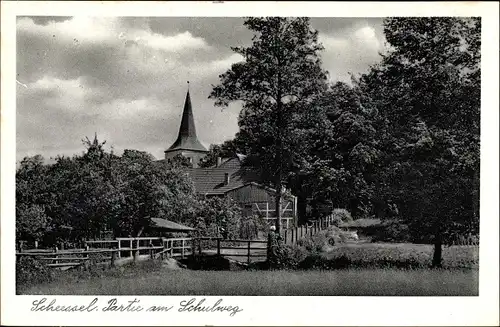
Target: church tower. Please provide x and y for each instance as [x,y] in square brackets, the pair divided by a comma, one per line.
[187,143]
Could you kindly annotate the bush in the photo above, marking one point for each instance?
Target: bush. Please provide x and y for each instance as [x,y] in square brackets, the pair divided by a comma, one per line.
[219,217]
[30,271]
[324,240]
[341,216]
[250,226]
[391,231]
[283,256]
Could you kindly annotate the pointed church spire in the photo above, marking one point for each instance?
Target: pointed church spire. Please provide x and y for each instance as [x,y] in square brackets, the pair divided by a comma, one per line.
[187,139]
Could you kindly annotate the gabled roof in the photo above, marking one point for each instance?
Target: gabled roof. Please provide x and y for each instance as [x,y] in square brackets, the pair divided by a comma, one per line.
[170,225]
[212,180]
[187,139]
[234,162]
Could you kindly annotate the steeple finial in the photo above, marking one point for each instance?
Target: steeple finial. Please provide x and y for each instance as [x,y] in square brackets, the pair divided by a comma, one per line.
[188,85]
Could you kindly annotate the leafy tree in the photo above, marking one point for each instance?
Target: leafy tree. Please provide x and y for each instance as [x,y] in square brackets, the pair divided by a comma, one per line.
[31,222]
[33,196]
[180,161]
[149,189]
[342,152]
[219,217]
[277,80]
[427,94]
[227,149]
[80,197]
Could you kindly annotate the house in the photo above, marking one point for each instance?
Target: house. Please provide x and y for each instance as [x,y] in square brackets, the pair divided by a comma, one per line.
[229,177]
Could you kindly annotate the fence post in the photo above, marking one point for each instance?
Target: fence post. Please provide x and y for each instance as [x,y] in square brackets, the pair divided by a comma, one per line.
[119,249]
[113,254]
[193,247]
[171,248]
[199,246]
[218,246]
[151,249]
[182,249]
[131,247]
[292,235]
[135,251]
[55,254]
[248,255]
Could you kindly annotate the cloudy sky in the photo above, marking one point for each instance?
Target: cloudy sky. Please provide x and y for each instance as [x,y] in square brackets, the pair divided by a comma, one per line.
[125,78]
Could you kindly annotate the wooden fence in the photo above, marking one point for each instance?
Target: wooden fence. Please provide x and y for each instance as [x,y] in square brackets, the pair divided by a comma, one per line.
[96,253]
[292,235]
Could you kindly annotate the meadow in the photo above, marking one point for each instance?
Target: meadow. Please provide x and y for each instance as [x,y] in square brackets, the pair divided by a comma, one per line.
[352,282]
[406,255]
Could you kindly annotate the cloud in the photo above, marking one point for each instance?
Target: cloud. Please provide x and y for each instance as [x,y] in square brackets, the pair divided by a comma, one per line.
[109,30]
[351,51]
[125,77]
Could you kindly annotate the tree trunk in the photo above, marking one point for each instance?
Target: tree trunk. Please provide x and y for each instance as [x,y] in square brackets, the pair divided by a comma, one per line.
[279,156]
[302,209]
[278,204]
[437,257]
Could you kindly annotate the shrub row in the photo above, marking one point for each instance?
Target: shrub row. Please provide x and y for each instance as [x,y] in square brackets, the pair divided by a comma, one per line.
[326,250]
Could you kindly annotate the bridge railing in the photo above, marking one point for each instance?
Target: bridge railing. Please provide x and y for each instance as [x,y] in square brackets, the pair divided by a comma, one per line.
[233,247]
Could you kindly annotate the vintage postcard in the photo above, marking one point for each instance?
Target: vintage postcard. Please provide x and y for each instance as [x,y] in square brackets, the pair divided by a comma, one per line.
[249,163]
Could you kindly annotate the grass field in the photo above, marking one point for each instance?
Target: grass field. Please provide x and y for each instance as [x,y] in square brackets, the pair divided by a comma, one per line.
[418,254]
[153,279]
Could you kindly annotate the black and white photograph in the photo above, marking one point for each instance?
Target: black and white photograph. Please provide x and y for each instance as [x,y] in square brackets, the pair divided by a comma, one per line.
[200,159]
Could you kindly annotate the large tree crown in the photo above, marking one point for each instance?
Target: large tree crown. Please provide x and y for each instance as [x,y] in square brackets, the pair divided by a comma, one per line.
[282,64]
